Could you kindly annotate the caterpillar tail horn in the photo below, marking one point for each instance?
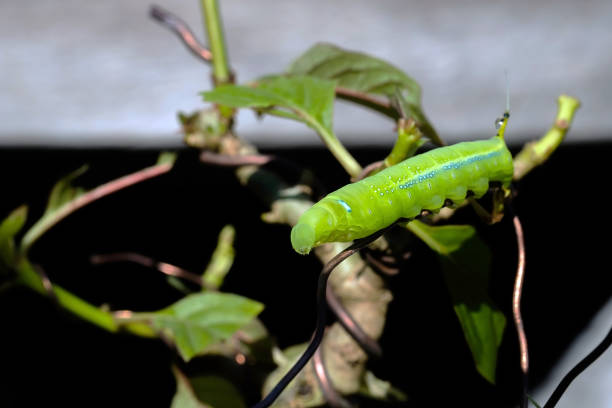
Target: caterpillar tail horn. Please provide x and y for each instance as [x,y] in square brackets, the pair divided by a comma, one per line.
[501,123]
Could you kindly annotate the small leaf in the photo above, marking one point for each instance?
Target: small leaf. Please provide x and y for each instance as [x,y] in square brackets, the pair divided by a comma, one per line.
[221,260]
[240,96]
[199,320]
[310,98]
[217,391]
[466,262]
[184,397]
[63,191]
[9,227]
[305,97]
[365,74]
[62,194]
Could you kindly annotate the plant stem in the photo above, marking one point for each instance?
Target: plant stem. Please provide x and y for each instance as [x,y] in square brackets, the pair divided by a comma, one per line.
[104,319]
[408,141]
[47,221]
[346,160]
[216,42]
[537,152]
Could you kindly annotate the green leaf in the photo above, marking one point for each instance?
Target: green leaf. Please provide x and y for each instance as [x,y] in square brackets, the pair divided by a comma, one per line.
[307,98]
[184,397]
[9,227]
[221,260]
[205,392]
[217,391]
[466,261]
[362,73]
[63,191]
[311,99]
[200,320]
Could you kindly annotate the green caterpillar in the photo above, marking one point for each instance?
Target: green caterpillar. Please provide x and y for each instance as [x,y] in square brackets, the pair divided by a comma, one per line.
[422,182]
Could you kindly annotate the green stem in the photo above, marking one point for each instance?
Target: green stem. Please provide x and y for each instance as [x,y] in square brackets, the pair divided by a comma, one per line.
[216,42]
[104,319]
[409,139]
[537,152]
[221,260]
[51,218]
[417,228]
[345,159]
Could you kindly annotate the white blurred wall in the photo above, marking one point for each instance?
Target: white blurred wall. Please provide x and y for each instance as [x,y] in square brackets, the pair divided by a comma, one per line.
[76,72]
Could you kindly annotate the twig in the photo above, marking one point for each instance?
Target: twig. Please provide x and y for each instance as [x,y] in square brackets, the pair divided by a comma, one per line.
[182,30]
[516,306]
[537,152]
[579,368]
[46,282]
[369,101]
[367,170]
[234,160]
[332,397]
[380,265]
[163,267]
[321,317]
[46,223]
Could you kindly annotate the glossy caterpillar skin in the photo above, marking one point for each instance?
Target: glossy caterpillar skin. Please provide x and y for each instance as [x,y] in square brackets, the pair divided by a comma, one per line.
[422,182]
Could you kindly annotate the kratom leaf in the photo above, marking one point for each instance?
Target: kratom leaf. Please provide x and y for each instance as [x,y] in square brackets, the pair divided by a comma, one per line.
[362,73]
[9,227]
[466,262]
[202,319]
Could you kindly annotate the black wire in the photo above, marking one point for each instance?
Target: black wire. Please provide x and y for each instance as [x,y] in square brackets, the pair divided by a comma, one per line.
[321,317]
[579,368]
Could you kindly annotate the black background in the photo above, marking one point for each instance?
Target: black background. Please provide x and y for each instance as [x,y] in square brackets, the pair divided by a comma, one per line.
[50,357]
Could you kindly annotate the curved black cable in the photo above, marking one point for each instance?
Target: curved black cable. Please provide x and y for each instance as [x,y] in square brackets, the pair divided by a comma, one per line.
[579,368]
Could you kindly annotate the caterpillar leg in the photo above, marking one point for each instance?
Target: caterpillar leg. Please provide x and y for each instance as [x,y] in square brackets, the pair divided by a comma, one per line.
[497,212]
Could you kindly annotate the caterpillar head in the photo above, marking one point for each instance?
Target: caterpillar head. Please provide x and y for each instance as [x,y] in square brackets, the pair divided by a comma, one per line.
[312,229]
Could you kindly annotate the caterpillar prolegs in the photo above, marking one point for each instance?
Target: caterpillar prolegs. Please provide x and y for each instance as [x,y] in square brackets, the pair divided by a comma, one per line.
[422,182]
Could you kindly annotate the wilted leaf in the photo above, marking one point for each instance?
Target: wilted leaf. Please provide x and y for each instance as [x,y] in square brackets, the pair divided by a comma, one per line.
[9,227]
[362,73]
[376,388]
[199,320]
[466,261]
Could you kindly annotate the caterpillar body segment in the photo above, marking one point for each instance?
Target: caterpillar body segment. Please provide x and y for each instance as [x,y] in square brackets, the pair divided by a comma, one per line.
[422,182]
